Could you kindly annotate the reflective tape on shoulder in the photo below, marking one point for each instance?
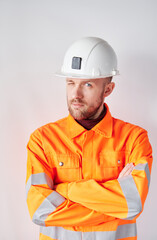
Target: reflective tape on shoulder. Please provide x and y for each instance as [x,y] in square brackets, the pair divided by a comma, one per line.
[126,230]
[39,179]
[47,207]
[144,167]
[131,195]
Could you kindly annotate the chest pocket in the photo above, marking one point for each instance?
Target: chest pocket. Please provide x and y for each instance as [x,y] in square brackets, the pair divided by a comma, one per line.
[110,165]
[66,168]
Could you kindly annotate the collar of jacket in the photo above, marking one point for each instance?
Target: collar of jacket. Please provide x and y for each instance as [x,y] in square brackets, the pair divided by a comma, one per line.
[104,127]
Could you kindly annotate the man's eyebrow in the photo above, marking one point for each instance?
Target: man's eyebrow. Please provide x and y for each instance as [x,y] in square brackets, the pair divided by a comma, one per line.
[89,81]
[69,80]
[81,82]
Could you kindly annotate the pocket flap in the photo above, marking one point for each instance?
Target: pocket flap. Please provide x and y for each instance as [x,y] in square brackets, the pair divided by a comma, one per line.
[112,159]
[68,161]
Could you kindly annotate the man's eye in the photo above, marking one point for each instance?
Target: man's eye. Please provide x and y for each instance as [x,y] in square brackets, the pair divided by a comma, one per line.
[88,84]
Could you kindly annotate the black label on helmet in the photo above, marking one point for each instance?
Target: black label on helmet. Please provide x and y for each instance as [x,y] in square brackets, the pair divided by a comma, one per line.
[76,63]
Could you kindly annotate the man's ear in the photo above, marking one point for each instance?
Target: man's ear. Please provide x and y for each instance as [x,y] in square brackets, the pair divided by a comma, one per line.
[109,88]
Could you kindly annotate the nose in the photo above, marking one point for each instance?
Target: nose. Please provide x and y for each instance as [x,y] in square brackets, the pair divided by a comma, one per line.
[77,92]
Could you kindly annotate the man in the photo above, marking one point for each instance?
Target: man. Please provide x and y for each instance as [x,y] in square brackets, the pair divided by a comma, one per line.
[88,174]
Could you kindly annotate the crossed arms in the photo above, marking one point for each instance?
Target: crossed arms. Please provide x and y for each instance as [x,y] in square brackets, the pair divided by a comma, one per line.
[94,202]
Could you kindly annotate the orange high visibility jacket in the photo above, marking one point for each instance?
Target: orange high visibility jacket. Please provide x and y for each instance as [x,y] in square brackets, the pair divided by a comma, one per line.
[72,185]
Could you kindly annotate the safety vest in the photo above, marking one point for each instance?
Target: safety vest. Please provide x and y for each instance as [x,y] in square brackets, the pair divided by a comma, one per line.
[72,185]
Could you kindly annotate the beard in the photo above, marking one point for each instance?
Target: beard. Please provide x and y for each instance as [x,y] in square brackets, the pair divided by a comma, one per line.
[86,111]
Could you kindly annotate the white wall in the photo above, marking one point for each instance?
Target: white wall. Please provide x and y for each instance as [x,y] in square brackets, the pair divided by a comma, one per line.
[34,36]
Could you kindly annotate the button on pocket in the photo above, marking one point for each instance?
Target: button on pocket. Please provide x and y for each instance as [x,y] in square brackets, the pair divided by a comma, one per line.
[61,163]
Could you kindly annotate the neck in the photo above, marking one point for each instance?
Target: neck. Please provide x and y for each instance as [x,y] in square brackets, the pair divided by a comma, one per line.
[90,123]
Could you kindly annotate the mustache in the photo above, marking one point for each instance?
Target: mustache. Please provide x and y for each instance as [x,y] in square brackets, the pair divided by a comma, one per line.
[77,100]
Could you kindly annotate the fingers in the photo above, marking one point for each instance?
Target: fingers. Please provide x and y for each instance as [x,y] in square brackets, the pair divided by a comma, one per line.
[127,170]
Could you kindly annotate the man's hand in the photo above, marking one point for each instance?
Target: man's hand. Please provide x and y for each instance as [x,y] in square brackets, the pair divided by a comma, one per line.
[127,170]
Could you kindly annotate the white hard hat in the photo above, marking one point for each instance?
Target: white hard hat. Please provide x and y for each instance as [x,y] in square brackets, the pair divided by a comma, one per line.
[89,58]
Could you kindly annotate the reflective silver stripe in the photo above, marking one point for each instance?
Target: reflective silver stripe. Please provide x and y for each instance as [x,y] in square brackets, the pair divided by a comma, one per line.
[132,196]
[109,235]
[144,167]
[39,179]
[59,233]
[47,207]
[126,230]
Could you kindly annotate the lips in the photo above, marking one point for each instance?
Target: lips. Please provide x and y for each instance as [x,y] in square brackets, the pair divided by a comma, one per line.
[77,105]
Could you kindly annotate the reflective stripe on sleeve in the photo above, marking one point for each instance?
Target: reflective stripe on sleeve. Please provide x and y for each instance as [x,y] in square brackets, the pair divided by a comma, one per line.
[144,167]
[126,230]
[39,179]
[47,207]
[59,233]
[132,196]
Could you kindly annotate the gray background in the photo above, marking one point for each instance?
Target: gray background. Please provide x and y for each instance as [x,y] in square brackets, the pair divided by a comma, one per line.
[34,36]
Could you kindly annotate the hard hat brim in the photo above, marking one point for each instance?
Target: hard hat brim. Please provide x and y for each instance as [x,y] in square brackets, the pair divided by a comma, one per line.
[69,75]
